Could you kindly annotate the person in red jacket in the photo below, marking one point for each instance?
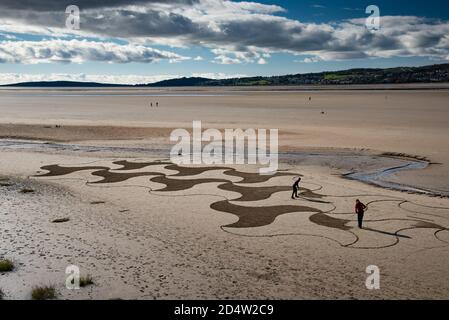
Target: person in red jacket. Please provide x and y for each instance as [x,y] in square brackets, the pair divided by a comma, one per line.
[360,211]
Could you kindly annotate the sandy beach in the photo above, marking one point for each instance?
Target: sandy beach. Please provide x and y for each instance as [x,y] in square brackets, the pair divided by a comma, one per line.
[145,228]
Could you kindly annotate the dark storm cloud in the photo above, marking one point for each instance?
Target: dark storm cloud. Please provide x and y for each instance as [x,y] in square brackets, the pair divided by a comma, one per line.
[119,23]
[273,34]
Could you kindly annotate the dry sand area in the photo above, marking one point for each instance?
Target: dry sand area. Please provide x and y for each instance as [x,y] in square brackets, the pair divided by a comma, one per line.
[144,228]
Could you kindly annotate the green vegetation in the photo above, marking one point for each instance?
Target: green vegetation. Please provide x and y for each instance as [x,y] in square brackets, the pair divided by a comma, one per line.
[335,77]
[43,293]
[425,74]
[86,281]
[6,265]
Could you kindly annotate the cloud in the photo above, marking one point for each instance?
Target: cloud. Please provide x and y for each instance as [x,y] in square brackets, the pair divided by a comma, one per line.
[236,32]
[232,55]
[309,60]
[60,5]
[12,78]
[78,51]
[213,75]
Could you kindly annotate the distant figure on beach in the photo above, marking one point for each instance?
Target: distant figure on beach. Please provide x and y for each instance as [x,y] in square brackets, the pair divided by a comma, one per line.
[157,104]
[360,211]
[151,104]
[296,189]
[310,98]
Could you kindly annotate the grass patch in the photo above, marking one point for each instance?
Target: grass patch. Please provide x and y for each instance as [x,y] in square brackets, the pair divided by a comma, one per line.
[43,293]
[6,265]
[335,77]
[86,281]
[26,191]
[61,220]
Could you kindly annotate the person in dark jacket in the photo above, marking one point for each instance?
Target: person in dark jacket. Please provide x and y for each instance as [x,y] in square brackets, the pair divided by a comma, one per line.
[296,189]
[360,211]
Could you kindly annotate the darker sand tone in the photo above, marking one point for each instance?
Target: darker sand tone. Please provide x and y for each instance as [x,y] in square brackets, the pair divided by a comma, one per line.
[127,165]
[253,217]
[249,217]
[115,177]
[70,133]
[57,170]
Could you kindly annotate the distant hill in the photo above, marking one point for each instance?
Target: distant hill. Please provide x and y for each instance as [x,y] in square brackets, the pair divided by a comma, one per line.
[63,84]
[400,75]
[181,82]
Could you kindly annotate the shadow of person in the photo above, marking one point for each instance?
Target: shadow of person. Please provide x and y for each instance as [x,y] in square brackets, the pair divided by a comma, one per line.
[388,233]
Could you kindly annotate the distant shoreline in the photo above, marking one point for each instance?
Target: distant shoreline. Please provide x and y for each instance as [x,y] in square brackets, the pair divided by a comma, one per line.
[304,88]
[430,74]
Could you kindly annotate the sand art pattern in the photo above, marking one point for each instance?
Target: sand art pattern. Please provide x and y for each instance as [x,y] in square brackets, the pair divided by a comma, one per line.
[257,216]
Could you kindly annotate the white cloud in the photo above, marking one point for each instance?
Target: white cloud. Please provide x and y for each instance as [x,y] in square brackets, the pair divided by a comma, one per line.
[131,79]
[236,32]
[11,78]
[229,55]
[309,60]
[78,51]
[211,75]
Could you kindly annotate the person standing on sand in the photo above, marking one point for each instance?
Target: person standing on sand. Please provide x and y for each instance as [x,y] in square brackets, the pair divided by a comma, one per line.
[360,211]
[296,189]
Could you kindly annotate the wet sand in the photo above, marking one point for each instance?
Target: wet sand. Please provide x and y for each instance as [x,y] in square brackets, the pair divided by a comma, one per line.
[147,229]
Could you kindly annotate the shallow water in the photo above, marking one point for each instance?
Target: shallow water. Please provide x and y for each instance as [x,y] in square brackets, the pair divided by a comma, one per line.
[380,177]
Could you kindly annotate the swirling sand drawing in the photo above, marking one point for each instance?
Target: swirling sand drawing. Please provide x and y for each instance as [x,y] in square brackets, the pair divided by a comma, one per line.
[248,217]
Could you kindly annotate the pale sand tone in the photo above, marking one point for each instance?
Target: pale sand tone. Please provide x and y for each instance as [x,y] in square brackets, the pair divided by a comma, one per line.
[142,244]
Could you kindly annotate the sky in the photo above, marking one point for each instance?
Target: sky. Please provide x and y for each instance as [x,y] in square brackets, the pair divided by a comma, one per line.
[144,41]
